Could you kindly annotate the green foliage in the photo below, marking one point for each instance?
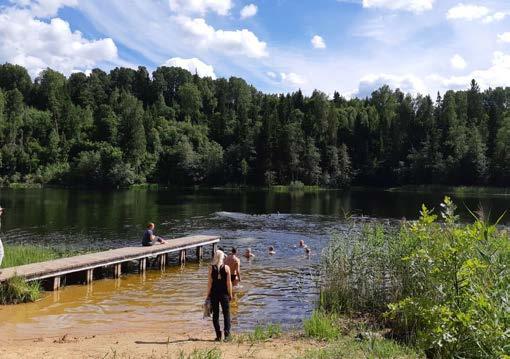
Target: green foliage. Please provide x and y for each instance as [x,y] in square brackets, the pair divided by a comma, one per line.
[16,255]
[322,326]
[17,290]
[176,128]
[214,353]
[456,301]
[443,286]
[261,333]
[375,348]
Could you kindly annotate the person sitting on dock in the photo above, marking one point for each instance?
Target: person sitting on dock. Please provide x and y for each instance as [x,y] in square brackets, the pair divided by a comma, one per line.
[248,254]
[149,239]
[234,264]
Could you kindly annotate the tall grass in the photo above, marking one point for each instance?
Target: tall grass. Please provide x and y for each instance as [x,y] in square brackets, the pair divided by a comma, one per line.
[261,333]
[442,286]
[322,326]
[16,255]
[17,290]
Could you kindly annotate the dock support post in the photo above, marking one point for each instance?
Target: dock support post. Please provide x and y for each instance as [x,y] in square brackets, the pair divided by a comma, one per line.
[56,283]
[200,253]
[214,249]
[142,265]
[162,261]
[89,276]
[182,257]
[117,270]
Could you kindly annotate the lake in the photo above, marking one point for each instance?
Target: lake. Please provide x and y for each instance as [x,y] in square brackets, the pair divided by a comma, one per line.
[280,288]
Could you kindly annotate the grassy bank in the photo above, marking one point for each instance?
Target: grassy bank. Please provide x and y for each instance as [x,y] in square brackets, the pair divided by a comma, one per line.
[443,288]
[454,190]
[16,255]
[17,290]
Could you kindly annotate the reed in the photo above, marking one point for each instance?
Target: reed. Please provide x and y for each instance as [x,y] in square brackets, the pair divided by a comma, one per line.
[442,286]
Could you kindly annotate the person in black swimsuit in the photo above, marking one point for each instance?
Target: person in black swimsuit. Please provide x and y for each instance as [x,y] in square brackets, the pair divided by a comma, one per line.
[219,291]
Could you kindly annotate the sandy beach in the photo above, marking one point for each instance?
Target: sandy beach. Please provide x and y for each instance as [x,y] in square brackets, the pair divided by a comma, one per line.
[148,344]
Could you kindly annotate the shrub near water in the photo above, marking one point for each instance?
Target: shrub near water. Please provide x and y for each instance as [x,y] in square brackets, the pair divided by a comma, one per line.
[442,286]
[17,290]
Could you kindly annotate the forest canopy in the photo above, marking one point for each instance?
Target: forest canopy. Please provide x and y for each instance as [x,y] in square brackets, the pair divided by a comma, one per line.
[174,128]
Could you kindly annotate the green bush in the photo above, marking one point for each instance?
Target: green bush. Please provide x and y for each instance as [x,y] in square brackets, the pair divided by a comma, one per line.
[457,303]
[17,290]
[322,326]
[443,286]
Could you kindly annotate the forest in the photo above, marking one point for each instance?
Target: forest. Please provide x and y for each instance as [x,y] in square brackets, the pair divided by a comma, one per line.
[172,127]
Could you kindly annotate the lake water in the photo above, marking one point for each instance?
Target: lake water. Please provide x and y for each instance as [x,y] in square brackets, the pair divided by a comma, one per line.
[281,288]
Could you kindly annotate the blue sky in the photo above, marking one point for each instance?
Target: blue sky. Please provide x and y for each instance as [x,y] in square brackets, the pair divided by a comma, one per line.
[353,46]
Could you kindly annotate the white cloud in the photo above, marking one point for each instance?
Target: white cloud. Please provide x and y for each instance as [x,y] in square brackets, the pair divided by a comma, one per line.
[240,42]
[498,74]
[292,79]
[193,65]
[497,16]
[458,62]
[407,84]
[504,37]
[249,11]
[467,12]
[271,74]
[318,42]
[44,8]
[201,7]
[36,44]
[415,6]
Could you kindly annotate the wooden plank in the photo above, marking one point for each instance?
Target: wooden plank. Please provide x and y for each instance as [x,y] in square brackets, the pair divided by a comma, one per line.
[89,276]
[64,266]
[182,257]
[117,270]
[56,283]
[162,261]
[142,265]
[214,249]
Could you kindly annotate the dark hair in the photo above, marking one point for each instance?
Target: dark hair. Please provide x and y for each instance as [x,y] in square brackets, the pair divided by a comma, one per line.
[271,248]
[234,250]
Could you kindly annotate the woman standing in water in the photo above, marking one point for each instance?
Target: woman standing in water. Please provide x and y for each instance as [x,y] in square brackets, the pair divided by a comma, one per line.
[219,291]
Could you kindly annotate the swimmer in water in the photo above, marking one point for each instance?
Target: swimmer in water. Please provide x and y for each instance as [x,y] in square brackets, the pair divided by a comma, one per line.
[271,251]
[248,254]
[307,251]
[302,244]
[234,264]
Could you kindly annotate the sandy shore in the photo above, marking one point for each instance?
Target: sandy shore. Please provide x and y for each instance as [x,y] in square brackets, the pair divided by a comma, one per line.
[147,345]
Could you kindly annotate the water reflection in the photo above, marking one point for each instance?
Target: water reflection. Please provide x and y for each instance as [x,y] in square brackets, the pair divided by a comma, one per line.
[281,288]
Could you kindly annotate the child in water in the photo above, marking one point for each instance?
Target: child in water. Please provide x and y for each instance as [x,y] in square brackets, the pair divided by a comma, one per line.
[271,251]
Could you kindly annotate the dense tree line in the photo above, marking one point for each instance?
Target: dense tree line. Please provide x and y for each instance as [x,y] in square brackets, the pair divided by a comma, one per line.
[173,127]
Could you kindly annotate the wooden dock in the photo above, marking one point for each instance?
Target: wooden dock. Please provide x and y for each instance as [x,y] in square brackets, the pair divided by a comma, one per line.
[56,270]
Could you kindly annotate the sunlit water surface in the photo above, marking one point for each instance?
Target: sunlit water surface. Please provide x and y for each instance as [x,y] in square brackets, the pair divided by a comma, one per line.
[275,289]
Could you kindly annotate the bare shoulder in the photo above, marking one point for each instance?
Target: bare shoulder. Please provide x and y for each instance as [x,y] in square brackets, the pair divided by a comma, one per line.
[227,269]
